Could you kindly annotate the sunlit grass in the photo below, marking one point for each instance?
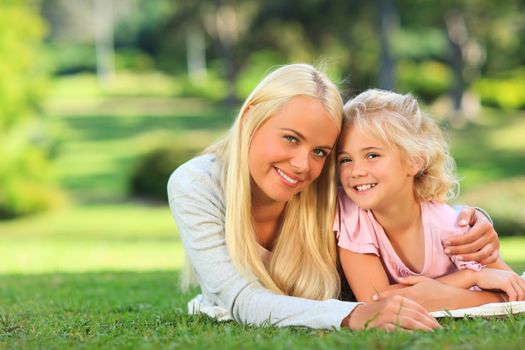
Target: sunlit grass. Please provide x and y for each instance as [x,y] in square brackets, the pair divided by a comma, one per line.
[98,238]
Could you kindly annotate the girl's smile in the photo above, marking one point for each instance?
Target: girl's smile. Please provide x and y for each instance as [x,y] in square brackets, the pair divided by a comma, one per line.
[373,175]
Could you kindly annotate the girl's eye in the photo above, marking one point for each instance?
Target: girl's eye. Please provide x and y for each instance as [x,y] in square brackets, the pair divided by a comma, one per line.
[344,160]
[320,152]
[372,155]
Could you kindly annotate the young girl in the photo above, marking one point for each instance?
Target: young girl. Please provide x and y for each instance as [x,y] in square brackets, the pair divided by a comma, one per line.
[396,171]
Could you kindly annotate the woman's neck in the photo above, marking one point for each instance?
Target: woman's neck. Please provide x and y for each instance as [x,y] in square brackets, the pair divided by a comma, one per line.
[267,219]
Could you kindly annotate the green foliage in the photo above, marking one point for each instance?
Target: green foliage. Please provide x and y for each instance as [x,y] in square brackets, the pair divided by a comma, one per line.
[428,79]
[149,178]
[212,87]
[507,92]
[504,201]
[71,58]
[258,65]
[24,144]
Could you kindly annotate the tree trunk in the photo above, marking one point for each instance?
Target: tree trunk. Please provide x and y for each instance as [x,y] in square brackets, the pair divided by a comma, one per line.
[387,25]
[103,13]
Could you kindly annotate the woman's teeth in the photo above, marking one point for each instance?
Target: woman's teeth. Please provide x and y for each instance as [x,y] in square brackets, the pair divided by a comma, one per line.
[286,177]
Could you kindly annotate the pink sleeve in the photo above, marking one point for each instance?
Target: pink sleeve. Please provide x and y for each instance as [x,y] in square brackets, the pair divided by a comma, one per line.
[354,229]
[471,265]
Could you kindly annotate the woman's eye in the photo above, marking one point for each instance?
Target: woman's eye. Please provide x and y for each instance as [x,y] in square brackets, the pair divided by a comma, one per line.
[291,139]
[372,155]
[320,152]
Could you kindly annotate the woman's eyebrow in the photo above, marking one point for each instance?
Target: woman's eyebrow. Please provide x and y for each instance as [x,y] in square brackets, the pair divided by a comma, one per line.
[301,136]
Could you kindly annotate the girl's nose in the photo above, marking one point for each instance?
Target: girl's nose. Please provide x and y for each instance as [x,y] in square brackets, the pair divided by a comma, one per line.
[358,172]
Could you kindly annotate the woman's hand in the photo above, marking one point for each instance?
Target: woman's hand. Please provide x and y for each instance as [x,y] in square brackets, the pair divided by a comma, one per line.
[479,244]
[508,281]
[392,313]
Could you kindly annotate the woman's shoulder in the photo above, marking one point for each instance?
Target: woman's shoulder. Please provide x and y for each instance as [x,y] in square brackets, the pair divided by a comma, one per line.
[201,172]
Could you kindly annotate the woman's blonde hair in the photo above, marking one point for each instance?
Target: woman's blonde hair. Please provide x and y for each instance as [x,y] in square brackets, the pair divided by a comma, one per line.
[398,121]
[303,261]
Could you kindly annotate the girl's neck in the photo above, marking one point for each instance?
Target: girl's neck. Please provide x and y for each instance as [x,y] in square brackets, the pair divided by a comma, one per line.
[400,219]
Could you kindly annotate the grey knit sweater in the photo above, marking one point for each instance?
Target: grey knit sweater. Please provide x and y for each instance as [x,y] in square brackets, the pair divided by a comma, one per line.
[197,204]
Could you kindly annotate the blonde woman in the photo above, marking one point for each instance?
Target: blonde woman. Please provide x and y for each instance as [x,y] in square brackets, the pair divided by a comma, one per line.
[255,215]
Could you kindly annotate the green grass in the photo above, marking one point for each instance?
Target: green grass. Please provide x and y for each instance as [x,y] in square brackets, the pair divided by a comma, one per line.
[144,310]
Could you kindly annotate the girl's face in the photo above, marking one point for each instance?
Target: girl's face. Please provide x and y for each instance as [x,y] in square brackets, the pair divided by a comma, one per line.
[374,175]
[288,151]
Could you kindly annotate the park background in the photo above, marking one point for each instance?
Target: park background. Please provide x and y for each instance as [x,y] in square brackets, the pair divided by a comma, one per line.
[101,99]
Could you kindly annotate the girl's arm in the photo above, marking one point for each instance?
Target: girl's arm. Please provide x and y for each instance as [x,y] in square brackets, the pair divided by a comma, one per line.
[498,276]
[434,295]
[364,272]
[366,276]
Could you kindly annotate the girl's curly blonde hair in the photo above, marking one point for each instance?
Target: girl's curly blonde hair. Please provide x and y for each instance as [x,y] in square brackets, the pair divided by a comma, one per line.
[398,121]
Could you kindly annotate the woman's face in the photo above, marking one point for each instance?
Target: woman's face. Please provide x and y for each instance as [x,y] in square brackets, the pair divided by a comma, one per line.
[288,150]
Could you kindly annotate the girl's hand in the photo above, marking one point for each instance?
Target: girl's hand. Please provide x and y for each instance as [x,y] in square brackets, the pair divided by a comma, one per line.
[390,314]
[426,291]
[508,281]
[480,243]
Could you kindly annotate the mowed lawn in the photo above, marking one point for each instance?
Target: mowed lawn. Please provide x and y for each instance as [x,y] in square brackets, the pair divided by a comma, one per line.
[103,271]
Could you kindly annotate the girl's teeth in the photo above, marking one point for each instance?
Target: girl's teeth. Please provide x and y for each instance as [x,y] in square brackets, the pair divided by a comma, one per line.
[364,187]
[287,178]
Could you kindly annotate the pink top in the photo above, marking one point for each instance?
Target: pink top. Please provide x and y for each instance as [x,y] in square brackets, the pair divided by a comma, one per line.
[358,231]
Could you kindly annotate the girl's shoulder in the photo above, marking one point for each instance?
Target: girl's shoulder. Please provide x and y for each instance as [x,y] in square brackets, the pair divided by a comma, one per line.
[441,215]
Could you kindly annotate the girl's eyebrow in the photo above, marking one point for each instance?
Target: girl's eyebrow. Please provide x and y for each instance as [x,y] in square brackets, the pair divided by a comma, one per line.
[370,148]
[301,136]
[364,149]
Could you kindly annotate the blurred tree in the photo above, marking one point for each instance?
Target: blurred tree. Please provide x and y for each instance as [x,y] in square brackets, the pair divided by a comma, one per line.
[24,166]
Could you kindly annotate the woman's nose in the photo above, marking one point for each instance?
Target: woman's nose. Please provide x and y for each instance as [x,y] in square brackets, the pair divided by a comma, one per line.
[300,161]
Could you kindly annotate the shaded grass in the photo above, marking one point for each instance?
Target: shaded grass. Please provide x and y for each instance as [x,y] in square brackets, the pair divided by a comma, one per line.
[132,310]
[104,138]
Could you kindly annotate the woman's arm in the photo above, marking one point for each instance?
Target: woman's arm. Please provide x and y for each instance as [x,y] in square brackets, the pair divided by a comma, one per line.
[480,244]
[198,208]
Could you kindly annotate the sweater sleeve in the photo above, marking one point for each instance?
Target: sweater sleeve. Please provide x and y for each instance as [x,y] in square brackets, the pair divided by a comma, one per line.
[197,206]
